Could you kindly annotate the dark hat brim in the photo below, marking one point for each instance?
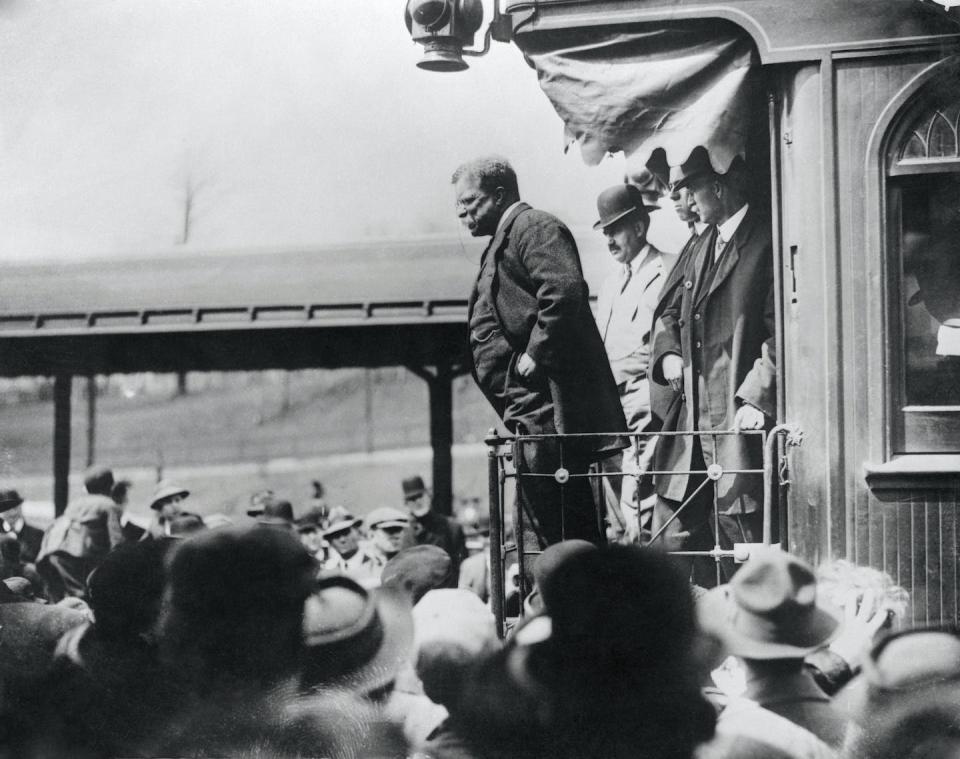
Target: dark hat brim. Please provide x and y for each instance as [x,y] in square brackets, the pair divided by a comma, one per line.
[720,614]
[395,649]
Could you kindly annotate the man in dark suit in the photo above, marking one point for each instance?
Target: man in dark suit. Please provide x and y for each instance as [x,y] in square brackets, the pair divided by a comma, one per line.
[28,536]
[717,352]
[537,354]
[427,527]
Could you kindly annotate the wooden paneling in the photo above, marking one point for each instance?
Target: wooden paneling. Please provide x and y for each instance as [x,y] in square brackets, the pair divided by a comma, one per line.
[913,537]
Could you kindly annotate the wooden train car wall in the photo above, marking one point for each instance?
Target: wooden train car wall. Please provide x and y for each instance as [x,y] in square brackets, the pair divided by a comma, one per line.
[866,141]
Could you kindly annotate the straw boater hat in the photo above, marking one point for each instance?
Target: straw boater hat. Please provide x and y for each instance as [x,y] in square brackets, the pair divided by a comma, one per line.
[770,609]
[387,516]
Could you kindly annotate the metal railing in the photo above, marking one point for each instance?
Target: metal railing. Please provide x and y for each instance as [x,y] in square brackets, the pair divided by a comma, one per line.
[504,455]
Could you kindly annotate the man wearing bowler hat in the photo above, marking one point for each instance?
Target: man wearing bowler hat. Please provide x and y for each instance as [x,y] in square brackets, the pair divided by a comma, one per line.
[537,353]
[717,353]
[627,299]
[427,527]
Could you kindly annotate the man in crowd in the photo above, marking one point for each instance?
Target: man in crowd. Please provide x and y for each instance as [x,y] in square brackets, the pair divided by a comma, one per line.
[349,555]
[385,527]
[537,354]
[717,352]
[165,504]
[77,541]
[427,527]
[625,309]
[28,536]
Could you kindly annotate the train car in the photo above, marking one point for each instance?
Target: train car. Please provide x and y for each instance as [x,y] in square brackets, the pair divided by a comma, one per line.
[848,114]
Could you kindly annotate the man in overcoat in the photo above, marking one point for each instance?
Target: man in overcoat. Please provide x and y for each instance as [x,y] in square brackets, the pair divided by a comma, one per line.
[717,351]
[537,354]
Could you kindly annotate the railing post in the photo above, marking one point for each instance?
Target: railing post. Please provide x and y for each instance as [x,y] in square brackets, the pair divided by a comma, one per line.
[496,533]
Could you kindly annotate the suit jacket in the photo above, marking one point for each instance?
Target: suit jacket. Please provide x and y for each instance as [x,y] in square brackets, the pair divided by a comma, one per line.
[541,303]
[724,330]
[665,405]
[30,538]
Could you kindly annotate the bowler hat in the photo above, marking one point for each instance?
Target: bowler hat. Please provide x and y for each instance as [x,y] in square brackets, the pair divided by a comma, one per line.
[386,516]
[413,487]
[696,165]
[277,513]
[355,638]
[339,520]
[770,609]
[9,499]
[165,490]
[619,201]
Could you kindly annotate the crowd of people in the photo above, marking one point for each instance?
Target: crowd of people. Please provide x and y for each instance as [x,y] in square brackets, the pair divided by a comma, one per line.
[266,638]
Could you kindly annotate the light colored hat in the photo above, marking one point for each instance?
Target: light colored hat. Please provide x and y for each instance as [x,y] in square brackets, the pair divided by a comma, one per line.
[165,490]
[386,516]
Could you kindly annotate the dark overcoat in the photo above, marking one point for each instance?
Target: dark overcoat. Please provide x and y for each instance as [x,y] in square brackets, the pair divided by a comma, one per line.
[542,306]
[725,335]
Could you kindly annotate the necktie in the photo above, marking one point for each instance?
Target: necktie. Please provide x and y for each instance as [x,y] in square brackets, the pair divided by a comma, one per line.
[721,244]
[627,273]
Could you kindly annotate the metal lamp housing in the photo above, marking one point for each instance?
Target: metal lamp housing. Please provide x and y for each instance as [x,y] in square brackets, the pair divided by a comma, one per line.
[444,28]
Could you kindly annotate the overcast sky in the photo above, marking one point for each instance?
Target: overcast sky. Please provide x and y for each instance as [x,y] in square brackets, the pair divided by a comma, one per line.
[289,122]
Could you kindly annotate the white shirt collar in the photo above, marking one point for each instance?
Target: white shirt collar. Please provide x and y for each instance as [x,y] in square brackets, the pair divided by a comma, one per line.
[699,226]
[641,258]
[506,213]
[729,228]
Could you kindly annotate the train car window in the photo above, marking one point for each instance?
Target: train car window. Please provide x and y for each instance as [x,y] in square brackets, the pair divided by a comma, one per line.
[923,209]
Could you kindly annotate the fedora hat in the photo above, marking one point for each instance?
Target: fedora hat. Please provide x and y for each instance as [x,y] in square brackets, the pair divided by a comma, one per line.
[413,487]
[355,638]
[770,609]
[386,516]
[697,164]
[339,520]
[619,201]
[277,512]
[9,499]
[165,490]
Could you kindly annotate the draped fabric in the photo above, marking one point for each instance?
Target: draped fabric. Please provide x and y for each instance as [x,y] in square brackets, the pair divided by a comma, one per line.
[636,89]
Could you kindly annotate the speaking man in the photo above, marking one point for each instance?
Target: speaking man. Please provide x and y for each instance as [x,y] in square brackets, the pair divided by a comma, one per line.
[537,354]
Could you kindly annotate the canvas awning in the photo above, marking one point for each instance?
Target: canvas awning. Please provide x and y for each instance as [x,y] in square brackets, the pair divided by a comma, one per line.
[637,88]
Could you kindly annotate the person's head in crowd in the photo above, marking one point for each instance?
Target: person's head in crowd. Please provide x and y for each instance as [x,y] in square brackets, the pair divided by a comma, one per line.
[126,589]
[310,534]
[166,500]
[418,569]
[770,610]
[546,563]
[385,526]
[343,532]
[416,496]
[120,492]
[233,606]
[98,480]
[905,701]
[485,188]
[609,672]
[258,500]
[277,513]
[683,204]
[11,508]
[356,639]
[453,629]
[183,524]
